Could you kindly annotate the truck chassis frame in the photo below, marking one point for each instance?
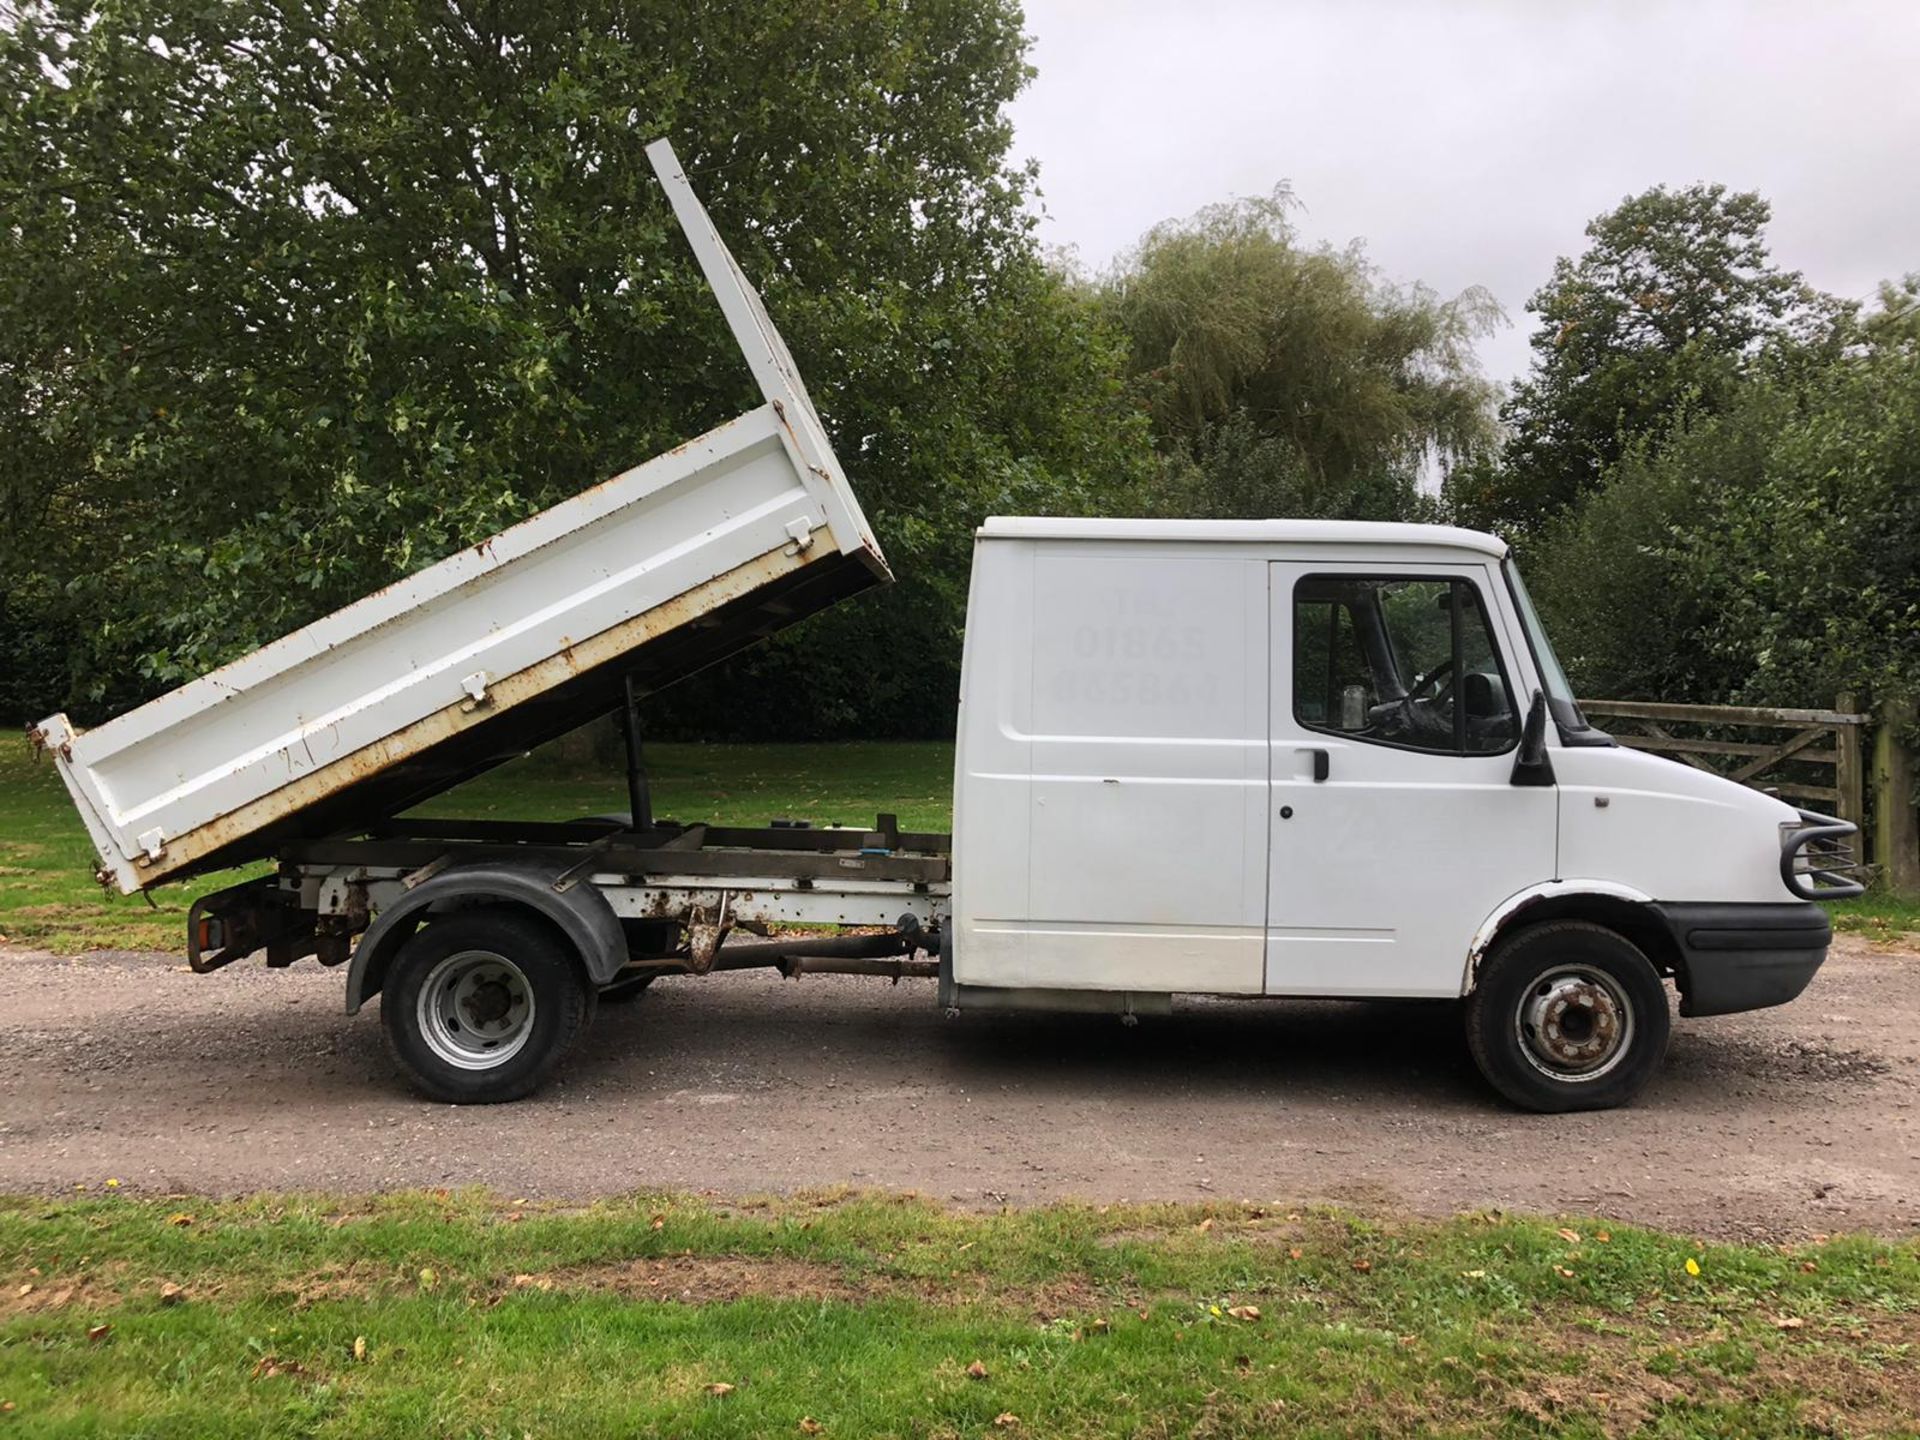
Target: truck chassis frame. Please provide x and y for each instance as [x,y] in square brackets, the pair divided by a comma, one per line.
[704,881]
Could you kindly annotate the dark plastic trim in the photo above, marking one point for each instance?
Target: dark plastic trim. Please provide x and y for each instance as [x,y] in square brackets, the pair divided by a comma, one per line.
[1738,957]
[1532,765]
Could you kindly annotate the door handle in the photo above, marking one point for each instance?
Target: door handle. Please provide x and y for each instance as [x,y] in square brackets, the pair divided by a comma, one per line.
[1322,766]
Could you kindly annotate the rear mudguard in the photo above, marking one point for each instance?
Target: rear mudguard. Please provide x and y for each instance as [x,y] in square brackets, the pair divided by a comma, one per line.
[580,912]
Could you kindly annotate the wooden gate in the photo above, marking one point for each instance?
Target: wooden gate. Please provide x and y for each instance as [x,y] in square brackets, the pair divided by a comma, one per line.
[1818,760]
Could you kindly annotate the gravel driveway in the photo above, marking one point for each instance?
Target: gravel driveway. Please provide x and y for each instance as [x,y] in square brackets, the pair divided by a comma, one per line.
[1775,1124]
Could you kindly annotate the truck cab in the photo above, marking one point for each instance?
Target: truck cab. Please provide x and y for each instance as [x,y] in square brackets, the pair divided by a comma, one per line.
[1306,758]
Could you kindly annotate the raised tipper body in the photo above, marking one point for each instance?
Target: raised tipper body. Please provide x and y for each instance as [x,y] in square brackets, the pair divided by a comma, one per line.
[396,698]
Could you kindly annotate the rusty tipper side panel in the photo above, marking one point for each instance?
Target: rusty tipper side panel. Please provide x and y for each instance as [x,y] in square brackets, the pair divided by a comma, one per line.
[656,573]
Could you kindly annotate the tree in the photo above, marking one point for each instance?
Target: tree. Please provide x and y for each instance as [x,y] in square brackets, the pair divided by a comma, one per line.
[297,296]
[1673,297]
[1287,380]
[1767,552]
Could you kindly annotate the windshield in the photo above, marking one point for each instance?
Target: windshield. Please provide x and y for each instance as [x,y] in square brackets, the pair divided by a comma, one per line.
[1566,710]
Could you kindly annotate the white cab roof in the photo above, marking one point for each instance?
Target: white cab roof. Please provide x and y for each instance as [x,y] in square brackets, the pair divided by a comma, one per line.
[1296,532]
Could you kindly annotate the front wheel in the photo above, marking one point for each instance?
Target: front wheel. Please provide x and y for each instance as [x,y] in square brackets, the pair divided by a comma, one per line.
[1568,1016]
[480,1007]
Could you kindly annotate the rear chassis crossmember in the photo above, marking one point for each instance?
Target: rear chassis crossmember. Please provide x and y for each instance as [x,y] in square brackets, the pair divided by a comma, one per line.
[696,883]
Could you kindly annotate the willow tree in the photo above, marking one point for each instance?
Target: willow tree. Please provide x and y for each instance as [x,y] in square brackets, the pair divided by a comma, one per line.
[1288,379]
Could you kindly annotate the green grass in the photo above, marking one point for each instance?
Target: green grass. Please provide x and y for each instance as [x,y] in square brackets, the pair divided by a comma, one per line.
[48,896]
[464,1314]
[729,785]
[1880,916]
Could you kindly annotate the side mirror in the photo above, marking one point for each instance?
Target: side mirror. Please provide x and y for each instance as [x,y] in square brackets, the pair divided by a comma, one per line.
[1531,766]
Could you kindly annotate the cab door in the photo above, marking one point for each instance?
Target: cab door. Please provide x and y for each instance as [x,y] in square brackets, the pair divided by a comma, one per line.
[1396,702]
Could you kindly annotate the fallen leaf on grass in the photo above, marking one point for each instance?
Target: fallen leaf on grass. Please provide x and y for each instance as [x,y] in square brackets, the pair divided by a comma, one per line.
[1572,1237]
[97,1333]
[1006,1420]
[810,1426]
[1205,1225]
[1295,1253]
[180,1218]
[270,1366]
[1787,1322]
[1244,1312]
[719,1387]
[1363,1266]
[1603,1237]
[428,1279]
[25,1290]
[1809,1266]
[1098,1325]
[172,1294]
[976,1371]
[1473,1274]
[659,1222]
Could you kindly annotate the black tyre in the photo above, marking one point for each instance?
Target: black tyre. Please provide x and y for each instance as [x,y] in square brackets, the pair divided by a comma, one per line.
[481,1006]
[1568,1016]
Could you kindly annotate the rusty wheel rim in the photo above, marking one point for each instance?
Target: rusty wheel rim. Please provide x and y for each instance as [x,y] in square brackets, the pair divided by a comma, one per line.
[1574,1023]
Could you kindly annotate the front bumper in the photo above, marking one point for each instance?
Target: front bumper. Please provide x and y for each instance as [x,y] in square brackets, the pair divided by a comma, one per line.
[1745,957]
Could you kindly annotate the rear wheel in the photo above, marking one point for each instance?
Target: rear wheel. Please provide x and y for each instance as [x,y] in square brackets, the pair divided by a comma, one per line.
[481,1006]
[1568,1016]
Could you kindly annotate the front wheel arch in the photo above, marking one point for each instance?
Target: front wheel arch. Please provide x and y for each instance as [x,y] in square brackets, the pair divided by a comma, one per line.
[1629,915]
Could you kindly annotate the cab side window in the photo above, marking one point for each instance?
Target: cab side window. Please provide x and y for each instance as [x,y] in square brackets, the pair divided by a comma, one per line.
[1400,661]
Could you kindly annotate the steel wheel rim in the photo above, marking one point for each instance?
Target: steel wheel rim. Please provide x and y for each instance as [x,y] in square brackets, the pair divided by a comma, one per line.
[1574,1023]
[476,1010]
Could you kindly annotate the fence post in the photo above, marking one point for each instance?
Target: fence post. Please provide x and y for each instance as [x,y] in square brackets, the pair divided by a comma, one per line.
[1896,835]
[1848,773]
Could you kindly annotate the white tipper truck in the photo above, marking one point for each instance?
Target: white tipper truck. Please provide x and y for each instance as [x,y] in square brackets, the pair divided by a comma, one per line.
[1234,758]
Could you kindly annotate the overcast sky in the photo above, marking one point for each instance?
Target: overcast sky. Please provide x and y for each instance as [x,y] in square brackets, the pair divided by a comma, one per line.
[1469,143]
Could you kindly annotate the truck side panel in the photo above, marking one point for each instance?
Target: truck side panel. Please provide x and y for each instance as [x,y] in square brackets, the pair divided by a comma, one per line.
[1145,717]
